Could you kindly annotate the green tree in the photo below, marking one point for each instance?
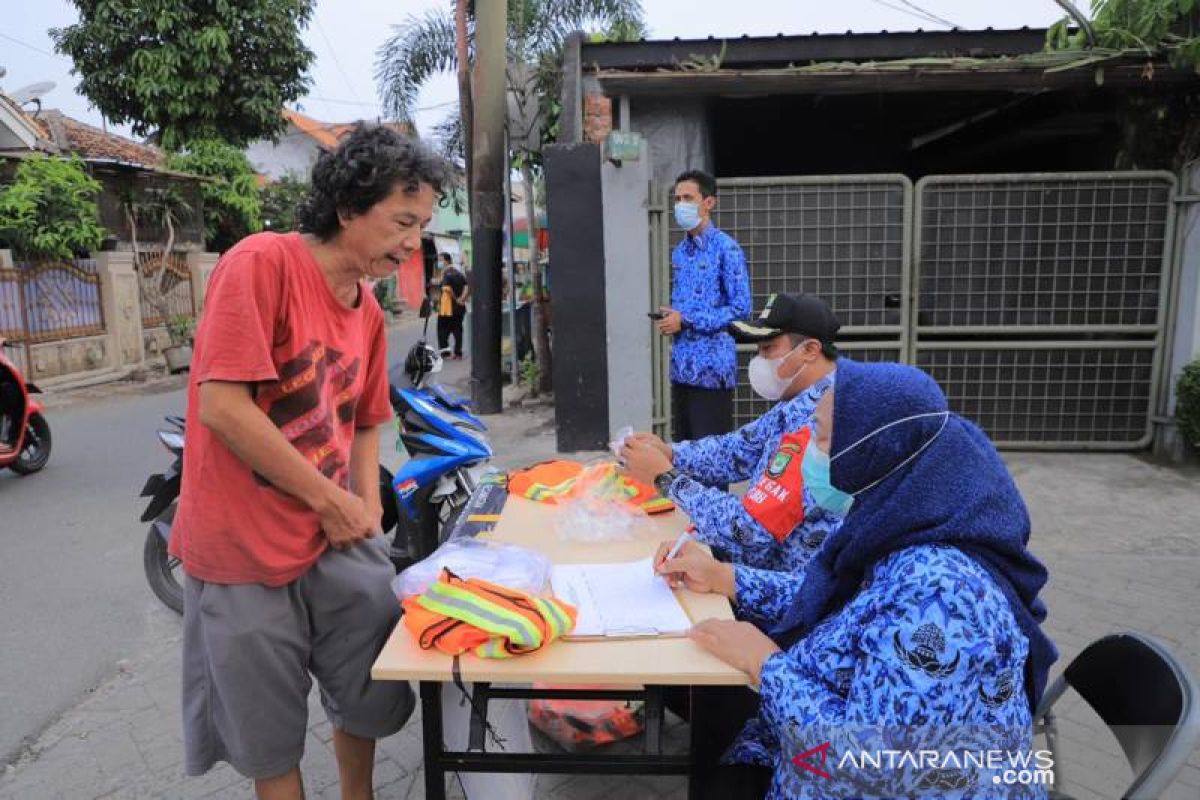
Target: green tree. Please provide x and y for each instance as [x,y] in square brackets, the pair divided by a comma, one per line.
[281,200]
[49,210]
[216,69]
[232,207]
[422,47]
[1158,130]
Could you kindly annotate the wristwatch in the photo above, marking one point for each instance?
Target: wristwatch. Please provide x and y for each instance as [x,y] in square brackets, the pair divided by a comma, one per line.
[664,480]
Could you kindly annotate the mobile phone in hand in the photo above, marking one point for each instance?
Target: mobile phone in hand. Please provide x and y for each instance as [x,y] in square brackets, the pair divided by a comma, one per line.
[656,315]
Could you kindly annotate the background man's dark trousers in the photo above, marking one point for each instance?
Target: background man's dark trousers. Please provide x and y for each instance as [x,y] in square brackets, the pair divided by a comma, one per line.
[447,326]
[697,412]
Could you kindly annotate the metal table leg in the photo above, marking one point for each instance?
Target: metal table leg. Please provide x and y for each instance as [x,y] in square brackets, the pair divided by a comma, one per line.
[432,741]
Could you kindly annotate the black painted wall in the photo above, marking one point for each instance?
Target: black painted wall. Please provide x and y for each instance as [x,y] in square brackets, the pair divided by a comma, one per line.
[575,215]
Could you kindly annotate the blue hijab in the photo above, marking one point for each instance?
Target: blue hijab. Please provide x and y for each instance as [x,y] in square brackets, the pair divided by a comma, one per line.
[957,492]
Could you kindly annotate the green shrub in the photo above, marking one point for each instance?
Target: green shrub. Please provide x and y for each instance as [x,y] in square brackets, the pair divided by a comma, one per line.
[1187,404]
[49,210]
[531,374]
[232,204]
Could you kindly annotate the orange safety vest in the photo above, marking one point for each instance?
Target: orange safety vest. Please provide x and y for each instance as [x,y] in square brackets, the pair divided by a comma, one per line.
[458,616]
[554,481]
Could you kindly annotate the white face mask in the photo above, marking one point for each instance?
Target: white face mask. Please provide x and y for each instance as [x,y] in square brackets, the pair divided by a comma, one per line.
[764,375]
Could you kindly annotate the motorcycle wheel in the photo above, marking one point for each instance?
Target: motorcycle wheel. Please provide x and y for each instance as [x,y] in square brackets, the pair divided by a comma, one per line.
[162,571]
[36,450]
[387,496]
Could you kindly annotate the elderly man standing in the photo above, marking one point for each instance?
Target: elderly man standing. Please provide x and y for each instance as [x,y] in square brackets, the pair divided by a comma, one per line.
[286,577]
[709,290]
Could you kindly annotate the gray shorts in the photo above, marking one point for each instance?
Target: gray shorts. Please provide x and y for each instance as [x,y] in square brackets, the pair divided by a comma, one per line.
[249,649]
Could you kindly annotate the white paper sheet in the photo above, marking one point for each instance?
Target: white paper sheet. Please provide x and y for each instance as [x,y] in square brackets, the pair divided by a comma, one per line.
[622,599]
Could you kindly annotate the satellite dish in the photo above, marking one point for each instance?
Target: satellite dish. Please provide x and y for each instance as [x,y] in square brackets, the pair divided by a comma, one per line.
[31,92]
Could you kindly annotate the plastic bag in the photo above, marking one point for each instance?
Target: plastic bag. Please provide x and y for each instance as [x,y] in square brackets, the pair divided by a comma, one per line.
[616,444]
[597,507]
[504,564]
[508,719]
[583,724]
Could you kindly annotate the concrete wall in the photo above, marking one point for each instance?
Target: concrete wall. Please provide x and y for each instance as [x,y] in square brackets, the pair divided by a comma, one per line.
[677,133]
[627,293]
[55,359]
[1186,325]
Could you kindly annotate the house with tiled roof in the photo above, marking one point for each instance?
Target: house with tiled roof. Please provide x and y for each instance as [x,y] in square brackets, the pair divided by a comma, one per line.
[296,149]
[121,165]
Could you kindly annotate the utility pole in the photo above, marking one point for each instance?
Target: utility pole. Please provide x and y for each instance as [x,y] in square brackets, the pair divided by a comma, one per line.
[488,164]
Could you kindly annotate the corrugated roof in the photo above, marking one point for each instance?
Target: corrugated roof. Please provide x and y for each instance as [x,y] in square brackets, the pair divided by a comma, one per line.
[746,51]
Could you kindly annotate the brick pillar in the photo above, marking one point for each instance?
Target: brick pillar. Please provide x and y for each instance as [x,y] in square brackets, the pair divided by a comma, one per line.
[201,265]
[597,118]
[122,309]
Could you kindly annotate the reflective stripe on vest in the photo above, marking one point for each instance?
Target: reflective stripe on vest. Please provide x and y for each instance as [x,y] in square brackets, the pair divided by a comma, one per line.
[456,616]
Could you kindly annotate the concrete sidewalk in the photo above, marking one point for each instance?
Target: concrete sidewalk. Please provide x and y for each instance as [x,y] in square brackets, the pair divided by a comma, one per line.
[1121,537]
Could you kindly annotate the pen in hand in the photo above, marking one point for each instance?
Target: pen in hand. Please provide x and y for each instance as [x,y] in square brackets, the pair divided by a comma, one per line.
[675,548]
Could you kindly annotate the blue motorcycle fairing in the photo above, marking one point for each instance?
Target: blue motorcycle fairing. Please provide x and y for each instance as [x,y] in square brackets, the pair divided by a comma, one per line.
[434,456]
[456,425]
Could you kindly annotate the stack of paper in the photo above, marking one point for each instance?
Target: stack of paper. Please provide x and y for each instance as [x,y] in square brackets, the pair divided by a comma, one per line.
[617,600]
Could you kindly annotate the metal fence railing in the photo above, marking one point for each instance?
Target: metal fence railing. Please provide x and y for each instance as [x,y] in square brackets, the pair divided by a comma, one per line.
[1038,301]
[843,238]
[49,301]
[164,281]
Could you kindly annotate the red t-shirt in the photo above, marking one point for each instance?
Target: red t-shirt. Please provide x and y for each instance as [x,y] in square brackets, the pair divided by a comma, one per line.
[319,369]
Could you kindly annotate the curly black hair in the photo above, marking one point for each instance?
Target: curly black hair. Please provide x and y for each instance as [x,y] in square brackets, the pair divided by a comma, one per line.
[367,165]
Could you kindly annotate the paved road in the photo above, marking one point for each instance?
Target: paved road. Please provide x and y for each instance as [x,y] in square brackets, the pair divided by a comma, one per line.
[72,590]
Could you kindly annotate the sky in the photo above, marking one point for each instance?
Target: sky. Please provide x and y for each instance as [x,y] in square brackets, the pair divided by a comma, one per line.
[346,34]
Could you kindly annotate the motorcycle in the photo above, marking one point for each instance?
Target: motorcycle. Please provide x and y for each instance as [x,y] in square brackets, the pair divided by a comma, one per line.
[162,569]
[24,431]
[446,450]
[447,453]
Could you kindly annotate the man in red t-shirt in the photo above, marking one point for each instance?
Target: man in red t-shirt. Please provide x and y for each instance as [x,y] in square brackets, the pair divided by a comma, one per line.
[277,528]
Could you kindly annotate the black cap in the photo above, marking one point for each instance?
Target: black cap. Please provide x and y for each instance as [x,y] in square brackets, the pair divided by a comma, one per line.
[803,314]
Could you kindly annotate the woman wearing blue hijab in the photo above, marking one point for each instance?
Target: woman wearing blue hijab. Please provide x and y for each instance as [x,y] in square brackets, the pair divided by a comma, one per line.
[916,627]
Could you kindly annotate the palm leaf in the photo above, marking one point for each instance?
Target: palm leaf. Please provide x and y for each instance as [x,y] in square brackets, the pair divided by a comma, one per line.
[418,49]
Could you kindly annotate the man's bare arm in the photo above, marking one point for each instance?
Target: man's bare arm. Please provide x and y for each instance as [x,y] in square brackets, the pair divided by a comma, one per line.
[229,410]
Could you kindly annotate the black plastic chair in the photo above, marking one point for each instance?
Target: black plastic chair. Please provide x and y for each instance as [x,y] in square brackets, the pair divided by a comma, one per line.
[1145,696]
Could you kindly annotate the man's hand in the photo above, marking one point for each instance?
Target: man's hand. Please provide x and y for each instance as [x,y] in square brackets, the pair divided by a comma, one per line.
[695,569]
[738,644]
[658,443]
[346,520]
[671,323]
[644,461]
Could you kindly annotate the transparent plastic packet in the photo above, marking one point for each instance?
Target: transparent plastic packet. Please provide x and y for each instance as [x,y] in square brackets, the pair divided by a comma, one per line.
[597,509]
[502,564]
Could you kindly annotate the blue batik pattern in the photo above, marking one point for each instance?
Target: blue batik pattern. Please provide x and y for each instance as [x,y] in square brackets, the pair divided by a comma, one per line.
[720,518]
[710,289]
[927,655]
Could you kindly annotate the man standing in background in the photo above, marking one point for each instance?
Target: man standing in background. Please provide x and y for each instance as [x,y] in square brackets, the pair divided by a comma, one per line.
[452,307]
[709,289]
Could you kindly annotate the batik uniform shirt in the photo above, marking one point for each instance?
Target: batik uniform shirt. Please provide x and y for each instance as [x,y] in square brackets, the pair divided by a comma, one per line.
[926,656]
[710,289]
[776,525]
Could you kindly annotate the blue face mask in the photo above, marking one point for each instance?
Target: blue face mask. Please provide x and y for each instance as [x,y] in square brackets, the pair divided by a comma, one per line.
[687,215]
[815,468]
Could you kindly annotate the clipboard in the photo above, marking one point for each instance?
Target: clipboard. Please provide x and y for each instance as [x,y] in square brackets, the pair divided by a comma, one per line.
[624,600]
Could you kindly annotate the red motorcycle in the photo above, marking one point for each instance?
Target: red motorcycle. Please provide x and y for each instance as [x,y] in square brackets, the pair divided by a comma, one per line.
[24,432]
